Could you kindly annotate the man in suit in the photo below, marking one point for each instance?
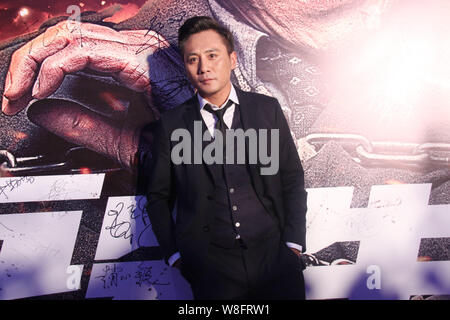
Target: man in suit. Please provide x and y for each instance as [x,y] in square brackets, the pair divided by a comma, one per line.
[236,233]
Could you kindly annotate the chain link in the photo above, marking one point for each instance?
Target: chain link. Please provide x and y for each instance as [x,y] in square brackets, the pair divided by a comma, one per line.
[311,260]
[389,153]
[74,160]
[362,150]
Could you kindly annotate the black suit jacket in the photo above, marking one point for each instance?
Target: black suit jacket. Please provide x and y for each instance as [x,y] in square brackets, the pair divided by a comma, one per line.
[190,187]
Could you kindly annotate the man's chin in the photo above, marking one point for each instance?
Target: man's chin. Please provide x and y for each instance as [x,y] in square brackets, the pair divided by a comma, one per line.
[206,93]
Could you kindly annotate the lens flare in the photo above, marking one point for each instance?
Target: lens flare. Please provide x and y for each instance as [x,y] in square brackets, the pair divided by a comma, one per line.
[24,12]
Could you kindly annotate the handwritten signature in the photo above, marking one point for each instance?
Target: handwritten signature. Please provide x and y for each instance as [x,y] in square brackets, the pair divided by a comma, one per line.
[124,218]
[158,26]
[113,275]
[14,183]
[144,275]
[58,190]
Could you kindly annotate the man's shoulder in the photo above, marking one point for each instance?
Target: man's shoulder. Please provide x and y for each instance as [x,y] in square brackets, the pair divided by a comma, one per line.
[177,112]
[258,100]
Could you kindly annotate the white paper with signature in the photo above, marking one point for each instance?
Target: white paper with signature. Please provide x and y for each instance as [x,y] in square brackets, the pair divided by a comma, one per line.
[36,253]
[51,188]
[138,280]
[126,227]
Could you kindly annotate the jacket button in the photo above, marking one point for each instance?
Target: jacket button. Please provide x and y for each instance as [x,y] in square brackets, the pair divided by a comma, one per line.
[205,228]
[210,197]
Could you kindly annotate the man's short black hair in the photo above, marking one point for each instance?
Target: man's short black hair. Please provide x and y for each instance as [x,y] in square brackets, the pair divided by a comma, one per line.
[202,23]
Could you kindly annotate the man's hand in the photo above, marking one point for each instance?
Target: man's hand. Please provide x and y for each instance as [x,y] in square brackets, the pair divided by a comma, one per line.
[38,68]
[297,252]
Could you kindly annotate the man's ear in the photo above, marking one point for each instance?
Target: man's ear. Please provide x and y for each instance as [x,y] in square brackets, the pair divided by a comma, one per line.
[233,58]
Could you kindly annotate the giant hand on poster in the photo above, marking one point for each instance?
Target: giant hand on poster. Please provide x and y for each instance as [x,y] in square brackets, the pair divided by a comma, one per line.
[363,84]
[38,69]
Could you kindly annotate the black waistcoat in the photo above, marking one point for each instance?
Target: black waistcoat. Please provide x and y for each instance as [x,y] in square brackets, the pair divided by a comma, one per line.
[237,210]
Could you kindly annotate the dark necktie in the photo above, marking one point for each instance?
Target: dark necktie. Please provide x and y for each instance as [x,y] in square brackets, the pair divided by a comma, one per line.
[220,124]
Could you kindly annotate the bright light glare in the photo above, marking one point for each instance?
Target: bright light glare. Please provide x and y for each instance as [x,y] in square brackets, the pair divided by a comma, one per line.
[396,78]
[400,73]
[24,12]
[397,65]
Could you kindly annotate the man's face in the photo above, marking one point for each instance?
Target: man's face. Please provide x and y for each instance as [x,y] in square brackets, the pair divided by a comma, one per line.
[209,65]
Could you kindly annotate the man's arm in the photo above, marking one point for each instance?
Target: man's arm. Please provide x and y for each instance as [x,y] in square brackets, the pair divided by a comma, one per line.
[293,185]
[161,191]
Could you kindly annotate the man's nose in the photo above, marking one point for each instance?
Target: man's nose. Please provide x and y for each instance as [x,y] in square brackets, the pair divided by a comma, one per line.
[203,66]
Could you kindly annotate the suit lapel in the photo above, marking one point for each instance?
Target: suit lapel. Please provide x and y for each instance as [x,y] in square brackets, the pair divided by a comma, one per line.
[250,120]
[191,117]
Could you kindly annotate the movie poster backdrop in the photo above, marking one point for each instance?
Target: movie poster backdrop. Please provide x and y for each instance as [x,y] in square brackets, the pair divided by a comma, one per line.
[364,85]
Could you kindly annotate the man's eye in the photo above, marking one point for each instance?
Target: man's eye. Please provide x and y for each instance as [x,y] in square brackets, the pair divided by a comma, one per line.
[192,60]
[212,55]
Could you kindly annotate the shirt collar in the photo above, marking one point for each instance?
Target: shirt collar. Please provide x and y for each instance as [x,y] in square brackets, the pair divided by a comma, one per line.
[232,96]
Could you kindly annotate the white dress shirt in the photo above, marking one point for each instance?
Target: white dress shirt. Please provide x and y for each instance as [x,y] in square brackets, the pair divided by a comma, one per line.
[210,119]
